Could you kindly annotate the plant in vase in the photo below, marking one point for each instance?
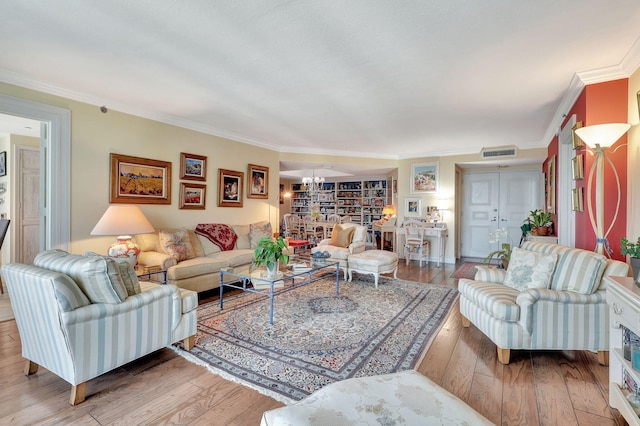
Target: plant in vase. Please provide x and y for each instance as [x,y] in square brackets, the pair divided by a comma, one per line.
[633,251]
[268,252]
[540,221]
[504,253]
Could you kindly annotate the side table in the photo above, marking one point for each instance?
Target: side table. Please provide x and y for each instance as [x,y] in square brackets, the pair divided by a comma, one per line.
[153,273]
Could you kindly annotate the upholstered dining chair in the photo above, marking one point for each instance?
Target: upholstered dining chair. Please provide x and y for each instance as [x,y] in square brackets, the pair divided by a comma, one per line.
[416,246]
[333,218]
[311,230]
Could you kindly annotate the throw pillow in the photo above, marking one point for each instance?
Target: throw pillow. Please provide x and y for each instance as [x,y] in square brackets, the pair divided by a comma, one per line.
[579,271]
[177,244]
[258,231]
[97,276]
[341,236]
[530,269]
[127,273]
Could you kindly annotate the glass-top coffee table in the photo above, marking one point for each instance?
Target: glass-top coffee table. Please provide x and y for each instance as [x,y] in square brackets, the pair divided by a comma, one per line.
[301,270]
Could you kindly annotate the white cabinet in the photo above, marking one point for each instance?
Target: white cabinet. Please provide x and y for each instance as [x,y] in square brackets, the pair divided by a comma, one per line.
[623,298]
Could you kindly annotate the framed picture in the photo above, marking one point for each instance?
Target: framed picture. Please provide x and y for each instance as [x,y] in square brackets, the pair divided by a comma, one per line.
[424,177]
[412,207]
[3,163]
[193,196]
[577,167]
[551,185]
[575,139]
[281,193]
[257,181]
[230,188]
[136,180]
[193,167]
[577,201]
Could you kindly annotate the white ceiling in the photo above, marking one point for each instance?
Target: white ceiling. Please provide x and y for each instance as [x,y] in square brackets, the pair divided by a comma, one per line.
[369,78]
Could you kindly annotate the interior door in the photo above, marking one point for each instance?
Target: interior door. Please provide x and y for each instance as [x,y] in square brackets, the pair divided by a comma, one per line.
[479,213]
[493,200]
[27,223]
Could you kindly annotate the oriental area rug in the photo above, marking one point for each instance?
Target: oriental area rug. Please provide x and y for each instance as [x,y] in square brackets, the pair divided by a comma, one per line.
[318,338]
[466,270]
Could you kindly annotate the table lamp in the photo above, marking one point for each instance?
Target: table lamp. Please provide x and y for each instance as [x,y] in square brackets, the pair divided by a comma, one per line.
[123,220]
[388,211]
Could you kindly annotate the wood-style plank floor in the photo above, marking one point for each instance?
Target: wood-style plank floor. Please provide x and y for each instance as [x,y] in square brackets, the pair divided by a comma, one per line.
[536,388]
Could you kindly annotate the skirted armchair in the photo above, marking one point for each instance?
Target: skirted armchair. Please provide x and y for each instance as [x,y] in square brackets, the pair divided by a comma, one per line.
[82,316]
[346,238]
[550,297]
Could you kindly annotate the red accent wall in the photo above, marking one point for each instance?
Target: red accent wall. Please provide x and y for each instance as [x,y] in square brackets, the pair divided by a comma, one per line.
[598,104]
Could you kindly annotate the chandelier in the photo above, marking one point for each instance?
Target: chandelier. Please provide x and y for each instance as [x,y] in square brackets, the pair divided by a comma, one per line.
[313,185]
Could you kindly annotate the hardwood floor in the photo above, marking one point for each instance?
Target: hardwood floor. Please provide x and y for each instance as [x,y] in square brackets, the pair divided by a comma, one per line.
[546,388]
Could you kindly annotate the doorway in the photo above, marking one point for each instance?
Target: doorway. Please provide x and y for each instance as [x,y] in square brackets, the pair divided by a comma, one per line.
[494,200]
[55,159]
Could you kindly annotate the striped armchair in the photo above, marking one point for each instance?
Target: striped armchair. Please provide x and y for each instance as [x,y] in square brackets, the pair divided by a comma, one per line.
[552,297]
[82,316]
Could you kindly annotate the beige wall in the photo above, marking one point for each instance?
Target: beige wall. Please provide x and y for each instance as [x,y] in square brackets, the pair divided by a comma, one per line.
[95,135]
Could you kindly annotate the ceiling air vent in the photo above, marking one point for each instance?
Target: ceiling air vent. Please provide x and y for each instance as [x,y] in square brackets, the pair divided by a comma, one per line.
[504,152]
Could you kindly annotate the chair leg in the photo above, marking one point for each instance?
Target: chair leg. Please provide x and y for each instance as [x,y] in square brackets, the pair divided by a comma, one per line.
[465,321]
[504,355]
[603,357]
[30,368]
[78,393]
[189,343]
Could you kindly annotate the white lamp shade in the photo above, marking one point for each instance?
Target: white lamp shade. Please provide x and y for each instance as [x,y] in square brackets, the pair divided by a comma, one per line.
[604,135]
[122,220]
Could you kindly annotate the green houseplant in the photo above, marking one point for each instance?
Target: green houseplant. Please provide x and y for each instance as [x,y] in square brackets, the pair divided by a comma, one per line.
[632,250]
[268,252]
[540,221]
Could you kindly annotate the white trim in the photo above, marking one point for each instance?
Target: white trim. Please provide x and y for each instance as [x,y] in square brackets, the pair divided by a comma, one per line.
[566,216]
[56,208]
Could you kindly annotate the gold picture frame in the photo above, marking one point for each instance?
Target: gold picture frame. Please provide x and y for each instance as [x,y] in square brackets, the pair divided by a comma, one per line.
[230,187]
[575,139]
[577,200]
[193,196]
[136,180]
[193,167]
[577,167]
[551,185]
[257,181]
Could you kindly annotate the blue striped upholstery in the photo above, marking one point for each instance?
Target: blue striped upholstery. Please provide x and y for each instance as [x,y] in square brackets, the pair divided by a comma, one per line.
[490,274]
[571,315]
[79,340]
[97,276]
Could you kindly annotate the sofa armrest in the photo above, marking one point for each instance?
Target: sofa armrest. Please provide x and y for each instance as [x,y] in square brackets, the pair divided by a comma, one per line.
[489,274]
[358,247]
[562,301]
[150,258]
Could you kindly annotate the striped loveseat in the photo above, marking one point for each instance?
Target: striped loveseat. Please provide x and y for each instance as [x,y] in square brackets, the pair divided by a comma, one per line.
[82,316]
[550,297]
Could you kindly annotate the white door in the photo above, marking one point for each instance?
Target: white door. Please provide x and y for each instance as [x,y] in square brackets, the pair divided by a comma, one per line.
[493,200]
[27,220]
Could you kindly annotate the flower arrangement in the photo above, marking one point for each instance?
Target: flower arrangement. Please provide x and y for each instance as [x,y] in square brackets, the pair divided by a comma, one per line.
[268,252]
[504,253]
[540,221]
[629,248]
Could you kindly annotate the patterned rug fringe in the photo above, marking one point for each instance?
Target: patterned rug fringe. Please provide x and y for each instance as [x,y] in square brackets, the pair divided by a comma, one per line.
[227,376]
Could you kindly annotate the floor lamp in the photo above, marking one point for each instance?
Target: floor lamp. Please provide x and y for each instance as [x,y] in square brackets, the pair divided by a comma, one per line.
[599,138]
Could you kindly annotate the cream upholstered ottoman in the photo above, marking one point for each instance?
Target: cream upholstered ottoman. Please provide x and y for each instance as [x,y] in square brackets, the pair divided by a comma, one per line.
[374,262]
[404,398]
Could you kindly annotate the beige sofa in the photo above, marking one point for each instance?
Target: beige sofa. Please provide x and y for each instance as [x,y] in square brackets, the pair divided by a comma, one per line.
[202,272]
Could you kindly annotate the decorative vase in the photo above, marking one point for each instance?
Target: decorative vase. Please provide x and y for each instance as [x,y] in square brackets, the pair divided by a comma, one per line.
[635,267]
[505,263]
[272,269]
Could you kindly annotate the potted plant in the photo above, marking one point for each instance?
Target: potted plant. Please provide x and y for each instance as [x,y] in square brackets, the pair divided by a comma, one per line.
[633,251]
[540,221]
[504,253]
[268,252]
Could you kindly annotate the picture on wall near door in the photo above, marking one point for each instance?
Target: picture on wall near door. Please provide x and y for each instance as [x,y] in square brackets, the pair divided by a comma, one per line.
[192,166]
[424,177]
[258,181]
[412,207]
[136,180]
[3,163]
[551,185]
[577,201]
[230,188]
